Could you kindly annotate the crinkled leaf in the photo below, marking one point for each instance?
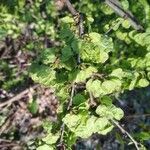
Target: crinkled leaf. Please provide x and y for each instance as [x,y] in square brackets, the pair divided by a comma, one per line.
[134,81]
[72,121]
[104,111]
[67,19]
[78,99]
[106,100]
[51,138]
[84,74]
[100,124]
[143,83]
[117,113]
[117,73]
[91,52]
[48,56]
[45,147]
[110,86]
[94,87]
[103,42]
[42,74]
[110,112]
[66,53]
[106,130]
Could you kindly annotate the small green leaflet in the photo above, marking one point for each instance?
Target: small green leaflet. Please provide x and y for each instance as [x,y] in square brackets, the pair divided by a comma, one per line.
[143,83]
[103,88]
[91,53]
[95,87]
[45,147]
[106,100]
[78,99]
[85,128]
[125,4]
[67,19]
[33,106]
[48,56]
[66,53]
[42,74]
[96,49]
[72,121]
[51,138]
[117,73]
[104,43]
[110,86]
[134,81]
[110,112]
[85,73]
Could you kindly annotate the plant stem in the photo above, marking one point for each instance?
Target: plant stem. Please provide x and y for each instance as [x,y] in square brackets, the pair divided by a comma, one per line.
[125,132]
[116,6]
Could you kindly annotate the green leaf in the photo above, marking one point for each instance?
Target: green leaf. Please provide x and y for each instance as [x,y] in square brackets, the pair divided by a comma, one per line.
[67,19]
[66,53]
[103,42]
[66,34]
[33,107]
[126,24]
[110,112]
[95,37]
[117,113]
[94,87]
[125,4]
[117,73]
[81,132]
[143,83]
[90,124]
[45,147]
[48,56]
[96,49]
[51,138]
[104,111]
[143,136]
[43,74]
[134,81]
[110,86]
[106,100]
[78,99]
[85,74]
[72,121]
[106,130]
[100,124]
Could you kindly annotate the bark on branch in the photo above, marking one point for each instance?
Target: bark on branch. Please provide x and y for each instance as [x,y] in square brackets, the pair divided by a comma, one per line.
[116,6]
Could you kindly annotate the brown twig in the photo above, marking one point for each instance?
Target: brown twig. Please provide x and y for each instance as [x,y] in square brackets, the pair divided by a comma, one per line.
[71,97]
[92,102]
[6,125]
[116,6]
[78,17]
[8,145]
[125,132]
[71,8]
[17,97]
[68,108]
[5,140]
[137,116]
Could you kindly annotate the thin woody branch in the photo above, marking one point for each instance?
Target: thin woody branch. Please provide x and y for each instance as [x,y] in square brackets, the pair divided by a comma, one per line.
[79,22]
[71,8]
[17,97]
[127,133]
[116,6]
[78,17]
